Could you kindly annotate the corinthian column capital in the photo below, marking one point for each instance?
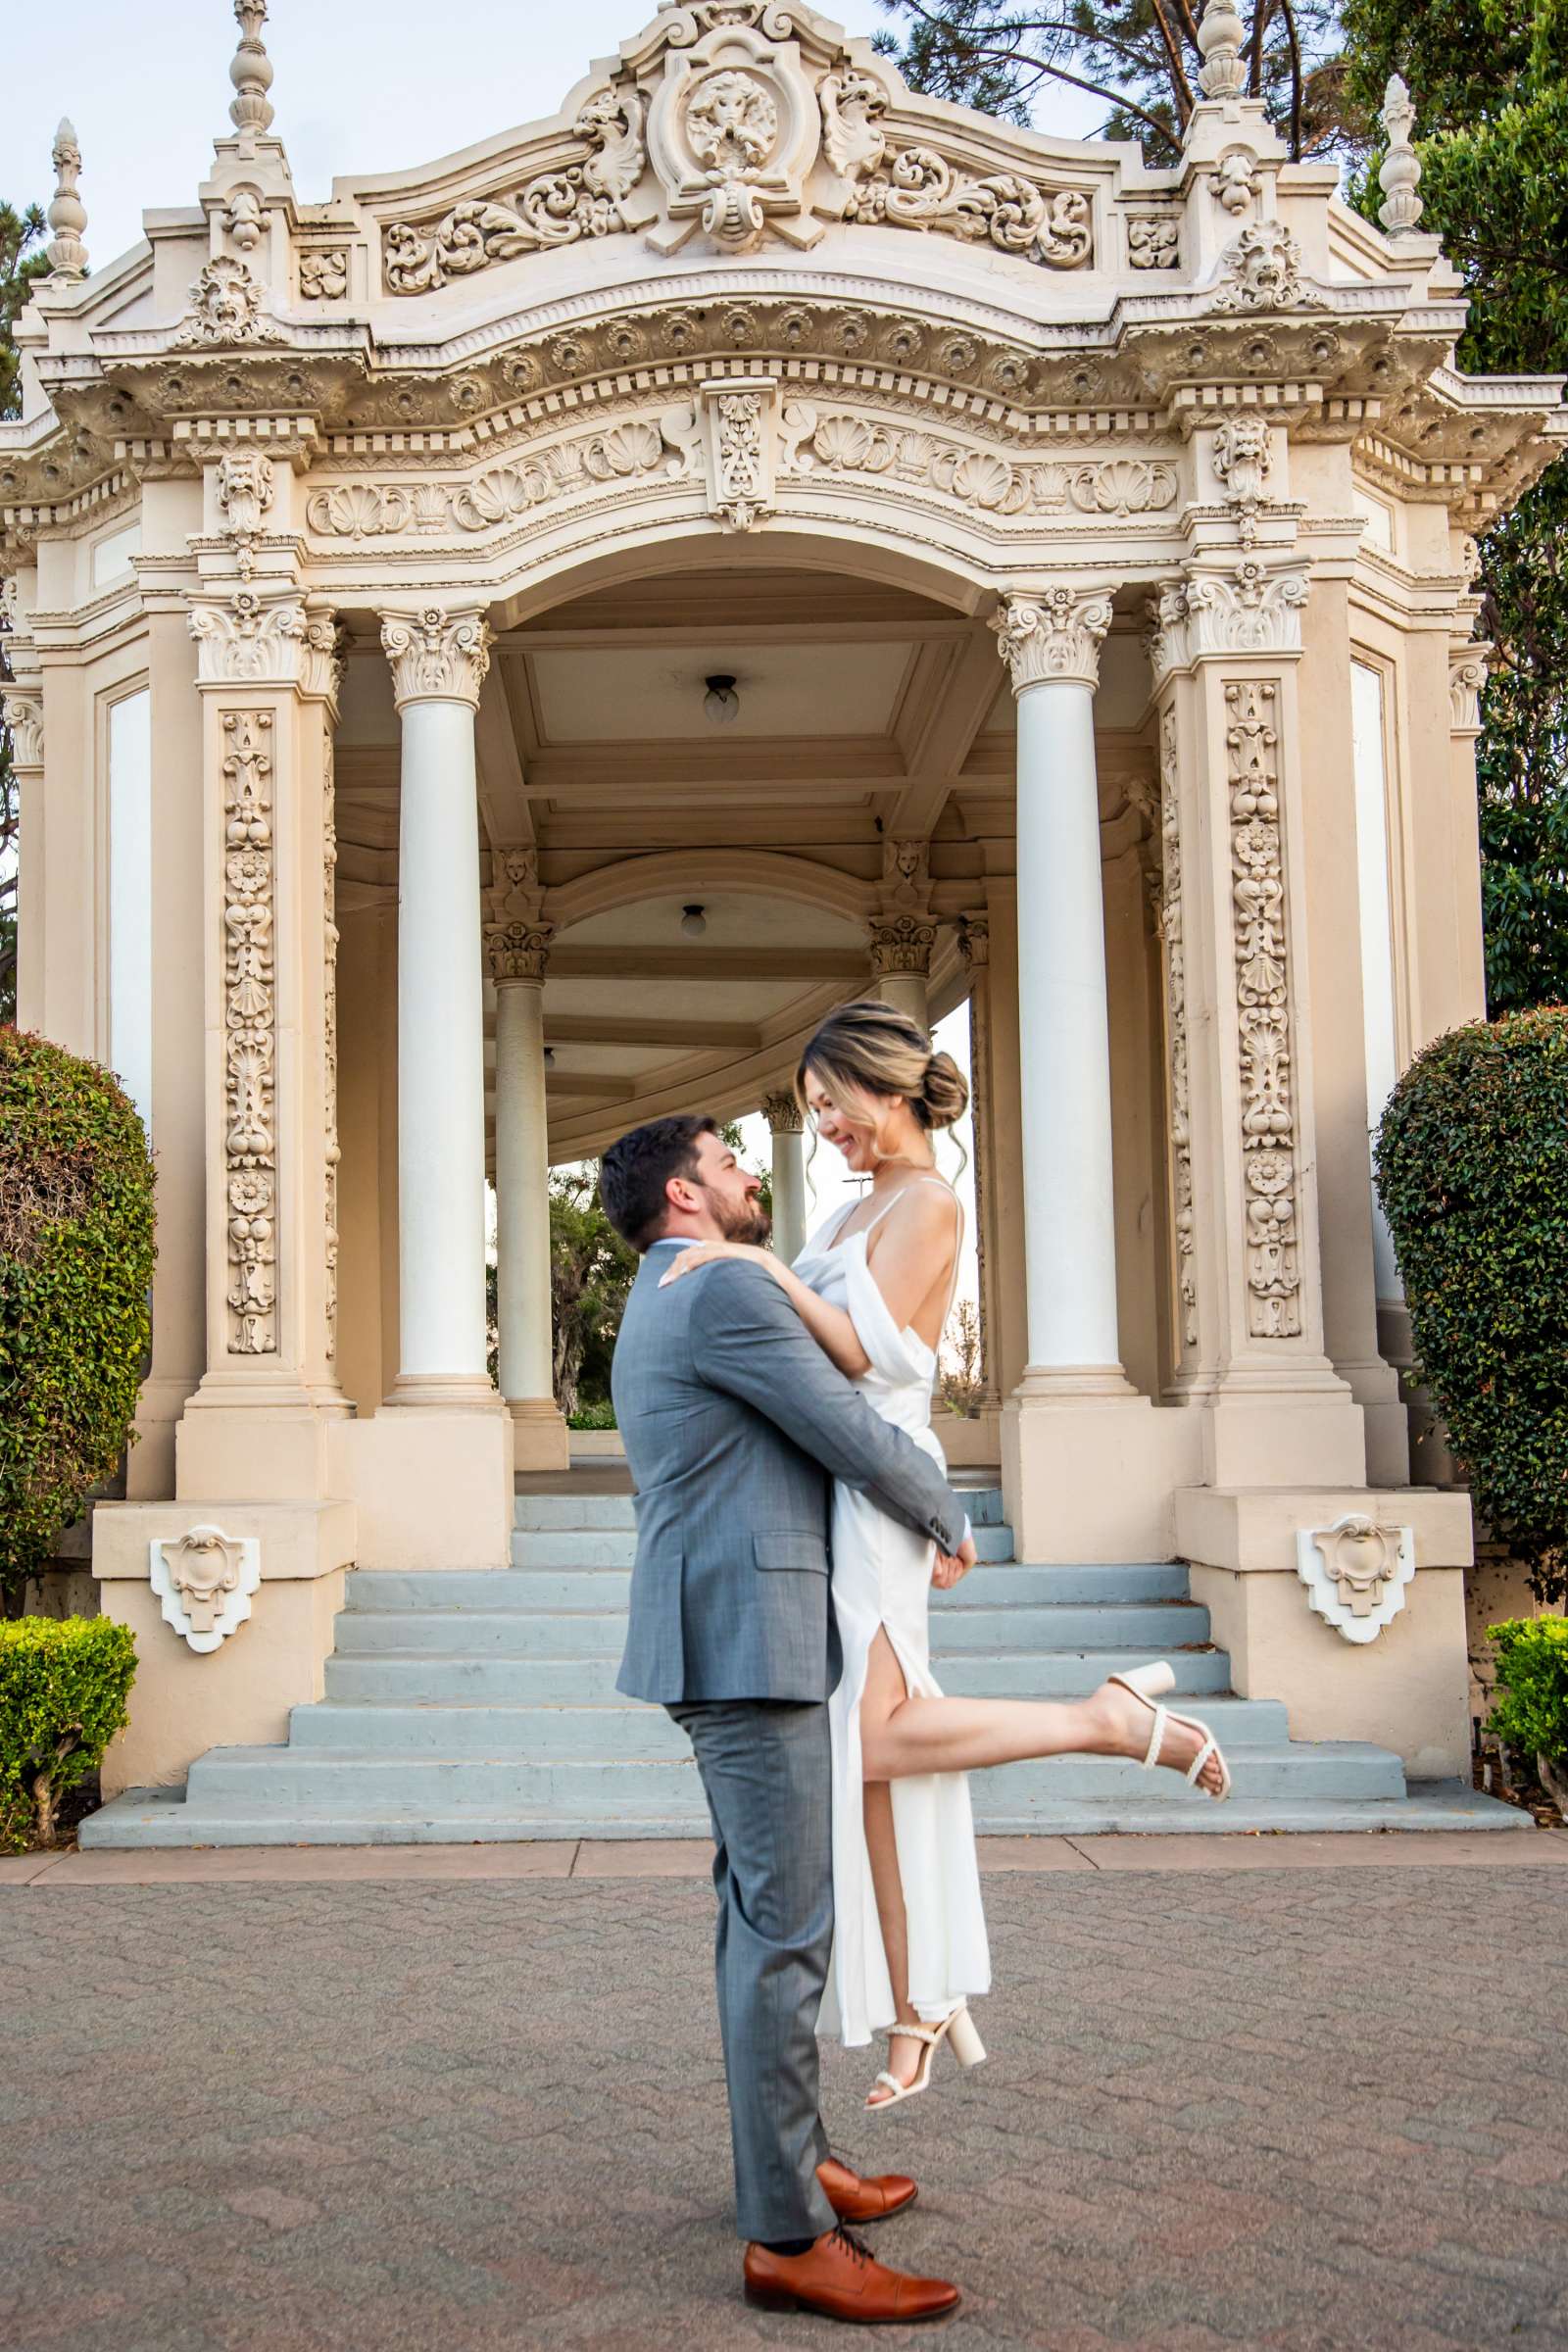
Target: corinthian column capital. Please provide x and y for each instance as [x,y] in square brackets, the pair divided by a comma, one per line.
[1052,634]
[436,655]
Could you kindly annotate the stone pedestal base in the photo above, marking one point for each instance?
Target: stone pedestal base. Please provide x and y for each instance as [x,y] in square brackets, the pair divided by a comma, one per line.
[432,1485]
[183,1701]
[225,1445]
[1291,1438]
[541,1440]
[1408,1689]
[1093,1477]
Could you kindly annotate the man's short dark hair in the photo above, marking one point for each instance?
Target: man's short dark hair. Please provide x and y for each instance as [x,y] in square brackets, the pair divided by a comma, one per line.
[634,1172]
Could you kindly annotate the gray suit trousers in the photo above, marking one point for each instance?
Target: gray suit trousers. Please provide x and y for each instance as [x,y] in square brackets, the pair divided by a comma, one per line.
[766,1770]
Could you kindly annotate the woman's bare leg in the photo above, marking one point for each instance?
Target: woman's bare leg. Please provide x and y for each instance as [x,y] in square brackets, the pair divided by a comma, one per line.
[881,1845]
[903,1733]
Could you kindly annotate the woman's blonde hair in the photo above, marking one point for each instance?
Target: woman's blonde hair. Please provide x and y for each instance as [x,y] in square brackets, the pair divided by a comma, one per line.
[873,1049]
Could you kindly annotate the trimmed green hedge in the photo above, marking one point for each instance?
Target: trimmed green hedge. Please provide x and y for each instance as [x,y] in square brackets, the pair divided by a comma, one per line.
[63,1682]
[1472,1170]
[1530,1710]
[75,1262]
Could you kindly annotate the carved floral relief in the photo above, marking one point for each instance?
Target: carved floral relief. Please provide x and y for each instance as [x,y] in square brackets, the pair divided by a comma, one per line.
[1263,1014]
[1173,947]
[250,1137]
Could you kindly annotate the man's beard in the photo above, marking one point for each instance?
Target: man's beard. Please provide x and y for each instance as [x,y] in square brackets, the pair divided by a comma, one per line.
[740,1220]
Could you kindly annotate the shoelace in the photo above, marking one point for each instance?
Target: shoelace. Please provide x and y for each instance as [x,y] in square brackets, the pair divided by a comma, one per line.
[852,2246]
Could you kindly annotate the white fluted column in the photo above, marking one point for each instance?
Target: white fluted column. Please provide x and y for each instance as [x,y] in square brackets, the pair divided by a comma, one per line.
[786,1123]
[439,659]
[518,952]
[1051,643]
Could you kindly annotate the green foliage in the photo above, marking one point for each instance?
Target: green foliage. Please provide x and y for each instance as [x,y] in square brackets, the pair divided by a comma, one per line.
[1530,1712]
[1141,57]
[75,1261]
[63,1682]
[1489,82]
[1472,1171]
[18,270]
[591,1274]
[600,1415]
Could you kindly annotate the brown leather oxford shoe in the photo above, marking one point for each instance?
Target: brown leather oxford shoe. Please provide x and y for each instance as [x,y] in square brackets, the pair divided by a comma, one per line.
[857,2198]
[839,2279]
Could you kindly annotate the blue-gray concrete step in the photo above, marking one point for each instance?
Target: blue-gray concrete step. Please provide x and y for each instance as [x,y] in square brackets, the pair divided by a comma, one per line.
[146,1818]
[429,1678]
[617,1547]
[315,1780]
[568,1510]
[560,1588]
[1146,1627]
[605,1729]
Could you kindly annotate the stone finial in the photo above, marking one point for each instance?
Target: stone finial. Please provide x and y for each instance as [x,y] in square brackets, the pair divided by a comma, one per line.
[1220,35]
[65,252]
[251,72]
[1399,172]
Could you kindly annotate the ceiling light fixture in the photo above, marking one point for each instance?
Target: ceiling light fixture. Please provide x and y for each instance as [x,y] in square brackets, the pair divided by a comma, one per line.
[692,922]
[721,704]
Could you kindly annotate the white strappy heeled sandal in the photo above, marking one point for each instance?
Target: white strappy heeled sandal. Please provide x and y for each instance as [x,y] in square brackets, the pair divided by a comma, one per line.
[959,2035]
[1146,1683]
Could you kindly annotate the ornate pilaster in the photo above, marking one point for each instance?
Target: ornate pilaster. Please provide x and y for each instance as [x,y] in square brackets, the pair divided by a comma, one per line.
[267,666]
[1052,634]
[1173,956]
[516,942]
[787,1124]
[22,708]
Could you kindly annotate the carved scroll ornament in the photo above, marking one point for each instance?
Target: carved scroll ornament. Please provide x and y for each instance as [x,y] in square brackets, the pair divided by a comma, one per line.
[557,208]
[1173,945]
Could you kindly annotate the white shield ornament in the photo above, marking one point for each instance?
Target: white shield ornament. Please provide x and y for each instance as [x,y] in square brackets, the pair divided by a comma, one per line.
[1356,1573]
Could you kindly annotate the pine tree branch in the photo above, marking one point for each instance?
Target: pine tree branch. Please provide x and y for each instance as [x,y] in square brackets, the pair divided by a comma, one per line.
[1181,88]
[1288,12]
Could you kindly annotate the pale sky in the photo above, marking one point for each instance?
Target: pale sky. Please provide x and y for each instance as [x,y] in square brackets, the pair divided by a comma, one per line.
[361,85]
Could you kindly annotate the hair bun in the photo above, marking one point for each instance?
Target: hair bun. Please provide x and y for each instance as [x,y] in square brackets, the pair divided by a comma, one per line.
[945,1094]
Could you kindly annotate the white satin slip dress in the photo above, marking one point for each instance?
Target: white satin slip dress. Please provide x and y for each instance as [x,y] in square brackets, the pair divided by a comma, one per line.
[882,1577]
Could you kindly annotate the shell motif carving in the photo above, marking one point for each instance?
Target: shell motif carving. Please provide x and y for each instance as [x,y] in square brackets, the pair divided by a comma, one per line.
[1126,486]
[357,510]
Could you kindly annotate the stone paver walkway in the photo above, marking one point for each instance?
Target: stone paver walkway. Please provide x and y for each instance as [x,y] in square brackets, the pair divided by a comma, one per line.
[387,2104]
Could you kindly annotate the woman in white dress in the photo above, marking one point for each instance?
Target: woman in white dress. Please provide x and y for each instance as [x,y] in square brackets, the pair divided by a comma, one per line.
[874,1288]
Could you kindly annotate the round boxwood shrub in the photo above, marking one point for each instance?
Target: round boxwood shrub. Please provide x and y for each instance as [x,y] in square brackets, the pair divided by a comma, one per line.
[75,1261]
[1472,1170]
[64,1681]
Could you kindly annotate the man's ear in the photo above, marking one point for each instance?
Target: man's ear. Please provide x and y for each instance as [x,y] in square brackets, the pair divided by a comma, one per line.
[679,1192]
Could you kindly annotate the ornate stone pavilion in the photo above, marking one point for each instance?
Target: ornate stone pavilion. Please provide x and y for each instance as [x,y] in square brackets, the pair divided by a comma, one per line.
[496,653]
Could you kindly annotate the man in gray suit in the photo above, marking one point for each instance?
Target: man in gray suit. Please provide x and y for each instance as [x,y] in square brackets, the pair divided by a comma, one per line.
[734,1423]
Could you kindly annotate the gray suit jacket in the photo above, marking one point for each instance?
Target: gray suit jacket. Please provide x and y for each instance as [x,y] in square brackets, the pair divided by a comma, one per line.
[734,1422]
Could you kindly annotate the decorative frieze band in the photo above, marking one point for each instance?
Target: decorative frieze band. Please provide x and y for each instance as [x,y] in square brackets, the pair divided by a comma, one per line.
[436,655]
[1052,633]
[250,1032]
[1263,1010]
